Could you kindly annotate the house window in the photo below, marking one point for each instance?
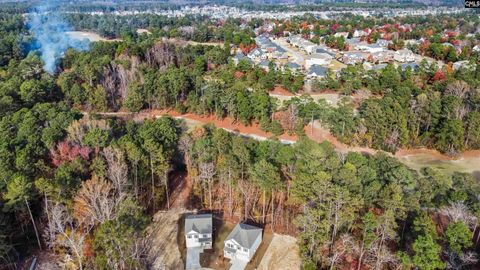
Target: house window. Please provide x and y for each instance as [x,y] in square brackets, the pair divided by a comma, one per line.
[205,235]
[189,237]
[195,236]
[239,248]
[244,249]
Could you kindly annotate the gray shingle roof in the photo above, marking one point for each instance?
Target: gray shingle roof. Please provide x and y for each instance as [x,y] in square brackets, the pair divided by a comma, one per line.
[322,50]
[244,234]
[379,66]
[413,66]
[293,65]
[264,63]
[199,223]
[317,70]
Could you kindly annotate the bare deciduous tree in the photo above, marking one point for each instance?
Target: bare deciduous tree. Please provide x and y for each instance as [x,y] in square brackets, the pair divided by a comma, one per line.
[345,244]
[63,231]
[117,170]
[459,212]
[207,172]
[458,88]
[95,202]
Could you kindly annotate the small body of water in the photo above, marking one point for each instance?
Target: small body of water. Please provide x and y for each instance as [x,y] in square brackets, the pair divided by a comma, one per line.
[92,37]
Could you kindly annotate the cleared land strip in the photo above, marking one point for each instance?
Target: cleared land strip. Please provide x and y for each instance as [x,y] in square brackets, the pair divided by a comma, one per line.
[415,158]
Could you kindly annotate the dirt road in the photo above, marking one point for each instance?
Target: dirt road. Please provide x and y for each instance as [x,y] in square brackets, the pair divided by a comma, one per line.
[415,158]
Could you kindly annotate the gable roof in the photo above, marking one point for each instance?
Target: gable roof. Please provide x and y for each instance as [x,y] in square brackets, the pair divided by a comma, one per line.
[293,65]
[244,234]
[239,56]
[317,70]
[264,63]
[322,50]
[413,66]
[324,56]
[198,223]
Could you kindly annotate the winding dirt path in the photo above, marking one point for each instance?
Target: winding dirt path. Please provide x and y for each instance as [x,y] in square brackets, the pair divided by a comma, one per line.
[468,161]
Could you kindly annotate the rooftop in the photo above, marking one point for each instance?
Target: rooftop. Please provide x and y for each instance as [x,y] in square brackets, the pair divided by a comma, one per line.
[198,223]
[244,234]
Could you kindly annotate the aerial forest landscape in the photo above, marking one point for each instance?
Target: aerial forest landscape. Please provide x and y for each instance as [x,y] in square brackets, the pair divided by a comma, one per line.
[239,135]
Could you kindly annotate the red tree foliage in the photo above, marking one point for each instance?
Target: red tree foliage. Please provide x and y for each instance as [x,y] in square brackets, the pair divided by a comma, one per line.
[67,151]
[439,76]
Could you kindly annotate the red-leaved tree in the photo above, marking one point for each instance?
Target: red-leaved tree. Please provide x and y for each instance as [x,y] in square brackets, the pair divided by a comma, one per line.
[66,151]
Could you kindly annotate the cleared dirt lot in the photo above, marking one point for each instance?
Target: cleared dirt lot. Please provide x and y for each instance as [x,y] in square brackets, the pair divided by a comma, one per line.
[282,253]
[162,235]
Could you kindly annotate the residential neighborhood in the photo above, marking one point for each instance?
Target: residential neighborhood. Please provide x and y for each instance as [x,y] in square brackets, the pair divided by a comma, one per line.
[239,135]
[239,246]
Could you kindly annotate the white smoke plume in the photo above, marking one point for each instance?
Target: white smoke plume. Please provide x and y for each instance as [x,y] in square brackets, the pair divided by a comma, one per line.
[50,32]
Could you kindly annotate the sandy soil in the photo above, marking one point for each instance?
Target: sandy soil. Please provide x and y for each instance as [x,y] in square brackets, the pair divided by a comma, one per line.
[415,158]
[162,235]
[281,91]
[227,124]
[282,253]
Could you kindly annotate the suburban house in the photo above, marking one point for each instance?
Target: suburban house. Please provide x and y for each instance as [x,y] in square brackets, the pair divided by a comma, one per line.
[265,65]
[379,67]
[381,57]
[414,66]
[239,57]
[341,34]
[370,66]
[242,243]
[352,43]
[302,43]
[279,53]
[326,50]
[319,59]
[294,67]
[257,54]
[352,58]
[198,231]
[404,55]
[316,72]
[198,236]
[383,42]
[370,48]
[271,49]
[361,33]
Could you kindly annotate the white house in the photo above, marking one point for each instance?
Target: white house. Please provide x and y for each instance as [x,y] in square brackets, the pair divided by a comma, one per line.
[318,59]
[404,55]
[352,58]
[257,54]
[341,34]
[242,242]
[360,33]
[198,231]
[371,48]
